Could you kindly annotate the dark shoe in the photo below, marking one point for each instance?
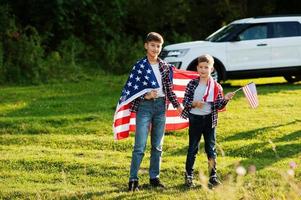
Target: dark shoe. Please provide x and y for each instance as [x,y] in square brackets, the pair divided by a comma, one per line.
[189,181]
[213,182]
[133,186]
[155,182]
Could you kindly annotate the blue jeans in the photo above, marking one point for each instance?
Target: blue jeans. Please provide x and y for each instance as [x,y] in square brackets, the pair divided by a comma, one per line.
[151,113]
[199,125]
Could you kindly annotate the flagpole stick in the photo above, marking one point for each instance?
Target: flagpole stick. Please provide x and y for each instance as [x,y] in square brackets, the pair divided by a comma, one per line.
[237,89]
[242,87]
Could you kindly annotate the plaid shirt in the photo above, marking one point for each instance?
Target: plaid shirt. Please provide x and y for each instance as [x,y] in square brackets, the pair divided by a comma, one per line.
[165,70]
[219,104]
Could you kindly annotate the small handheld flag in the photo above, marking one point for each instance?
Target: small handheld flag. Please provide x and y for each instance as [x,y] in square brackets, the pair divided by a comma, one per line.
[251,94]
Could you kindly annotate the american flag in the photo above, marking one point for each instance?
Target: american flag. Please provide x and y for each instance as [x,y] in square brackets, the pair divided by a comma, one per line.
[141,80]
[251,94]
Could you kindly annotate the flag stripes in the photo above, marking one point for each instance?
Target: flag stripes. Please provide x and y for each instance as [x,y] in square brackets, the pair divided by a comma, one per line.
[251,95]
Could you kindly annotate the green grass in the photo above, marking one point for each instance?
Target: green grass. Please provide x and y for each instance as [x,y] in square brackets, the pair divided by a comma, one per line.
[56,142]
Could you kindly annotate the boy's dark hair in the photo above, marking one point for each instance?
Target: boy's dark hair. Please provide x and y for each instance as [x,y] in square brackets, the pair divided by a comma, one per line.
[153,36]
[206,58]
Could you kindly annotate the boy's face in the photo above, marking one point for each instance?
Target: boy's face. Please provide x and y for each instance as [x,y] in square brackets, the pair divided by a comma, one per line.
[153,48]
[204,69]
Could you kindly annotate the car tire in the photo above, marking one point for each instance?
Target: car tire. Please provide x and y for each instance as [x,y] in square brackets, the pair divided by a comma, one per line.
[292,79]
[215,75]
[219,73]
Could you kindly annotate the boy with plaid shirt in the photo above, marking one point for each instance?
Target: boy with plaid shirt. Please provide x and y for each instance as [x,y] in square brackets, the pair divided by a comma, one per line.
[150,111]
[202,100]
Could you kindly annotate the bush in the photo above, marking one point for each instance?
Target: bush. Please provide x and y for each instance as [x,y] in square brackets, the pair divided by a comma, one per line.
[1,65]
[121,53]
[65,63]
[24,57]
[71,51]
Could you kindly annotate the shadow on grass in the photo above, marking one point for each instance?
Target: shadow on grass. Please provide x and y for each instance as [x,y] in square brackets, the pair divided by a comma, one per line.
[261,154]
[292,136]
[146,192]
[256,132]
[143,193]
[264,154]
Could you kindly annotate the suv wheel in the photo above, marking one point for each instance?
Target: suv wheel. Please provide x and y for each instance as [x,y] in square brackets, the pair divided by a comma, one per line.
[292,79]
[218,74]
[215,75]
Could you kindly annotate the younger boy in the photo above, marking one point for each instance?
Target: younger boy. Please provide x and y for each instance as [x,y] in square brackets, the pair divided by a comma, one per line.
[202,100]
[150,108]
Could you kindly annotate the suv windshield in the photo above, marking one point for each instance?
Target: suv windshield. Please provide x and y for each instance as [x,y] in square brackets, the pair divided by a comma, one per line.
[224,32]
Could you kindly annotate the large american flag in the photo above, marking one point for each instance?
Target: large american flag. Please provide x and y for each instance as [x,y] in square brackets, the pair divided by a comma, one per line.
[141,80]
[251,94]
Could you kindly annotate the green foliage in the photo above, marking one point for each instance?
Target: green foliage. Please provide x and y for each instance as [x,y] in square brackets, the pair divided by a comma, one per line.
[179,37]
[121,53]
[24,60]
[24,57]
[106,35]
[1,64]
[71,51]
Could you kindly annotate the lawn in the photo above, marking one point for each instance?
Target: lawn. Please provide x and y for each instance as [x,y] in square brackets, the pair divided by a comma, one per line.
[56,142]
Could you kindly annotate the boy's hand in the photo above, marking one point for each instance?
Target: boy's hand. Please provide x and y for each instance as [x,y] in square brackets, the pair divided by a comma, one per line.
[198,104]
[229,95]
[151,95]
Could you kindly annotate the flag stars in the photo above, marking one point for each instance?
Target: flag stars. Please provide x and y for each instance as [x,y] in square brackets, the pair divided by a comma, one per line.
[127,92]
[139,71]
[137,78]
[148,71]
[153,83]
[131,75]
[146,77]
[136,87]
[129,84]
[144,83]
[142,66]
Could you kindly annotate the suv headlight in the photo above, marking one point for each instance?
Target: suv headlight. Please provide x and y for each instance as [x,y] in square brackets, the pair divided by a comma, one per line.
[177,53]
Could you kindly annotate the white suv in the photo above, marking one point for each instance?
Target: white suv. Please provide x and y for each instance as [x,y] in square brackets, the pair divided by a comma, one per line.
[246,48]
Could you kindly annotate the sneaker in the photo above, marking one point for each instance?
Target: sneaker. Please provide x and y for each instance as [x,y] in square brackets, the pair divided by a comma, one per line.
[213,182]
[155,182]
[189,181]
[133,186]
